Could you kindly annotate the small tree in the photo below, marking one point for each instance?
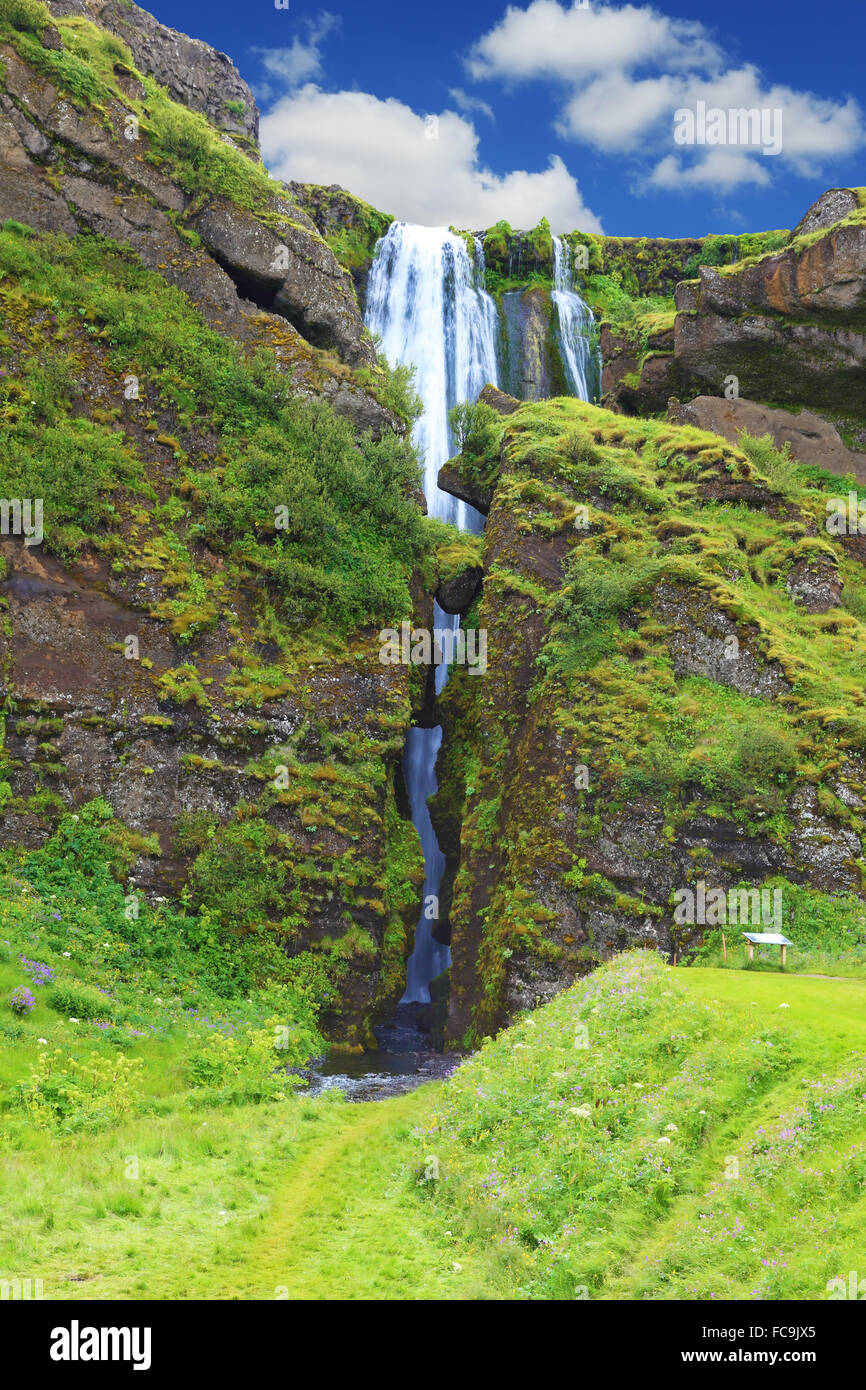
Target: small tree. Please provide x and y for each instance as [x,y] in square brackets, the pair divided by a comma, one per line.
[475,426]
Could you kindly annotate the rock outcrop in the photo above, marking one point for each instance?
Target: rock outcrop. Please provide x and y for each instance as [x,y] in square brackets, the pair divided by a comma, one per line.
[531,371]
[791,326]
[811,439]
[195,74]
[256,266]
[670,696]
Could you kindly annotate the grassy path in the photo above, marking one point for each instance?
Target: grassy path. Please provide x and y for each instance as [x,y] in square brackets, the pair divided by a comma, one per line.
[347,1222]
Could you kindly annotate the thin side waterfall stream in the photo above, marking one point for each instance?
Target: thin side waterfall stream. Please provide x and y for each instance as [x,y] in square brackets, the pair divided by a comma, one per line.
[574,324]
[427,303]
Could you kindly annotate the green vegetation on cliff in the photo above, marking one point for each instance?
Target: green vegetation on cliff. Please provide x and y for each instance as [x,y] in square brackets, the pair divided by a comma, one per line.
[211,451]
[255,543]
[663,611]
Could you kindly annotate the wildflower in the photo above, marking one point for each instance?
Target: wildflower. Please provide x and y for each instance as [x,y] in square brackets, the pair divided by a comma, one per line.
[584,1111]
[672,1129]
[22,1000]
[663,1139]
[44,1041]
[75,1020]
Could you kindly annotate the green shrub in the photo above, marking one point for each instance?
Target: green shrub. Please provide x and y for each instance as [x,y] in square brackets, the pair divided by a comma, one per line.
[76,1001]
[71,1094]
[476,427]
[30,16]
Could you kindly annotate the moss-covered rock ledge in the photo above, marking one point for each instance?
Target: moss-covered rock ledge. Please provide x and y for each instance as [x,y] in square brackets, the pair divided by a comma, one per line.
[675,692]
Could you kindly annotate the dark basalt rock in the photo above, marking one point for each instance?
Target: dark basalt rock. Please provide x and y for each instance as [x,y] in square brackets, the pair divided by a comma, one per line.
[705,642]
[831,207]
[790,327]
[458,594]
[194,74]
[815,585]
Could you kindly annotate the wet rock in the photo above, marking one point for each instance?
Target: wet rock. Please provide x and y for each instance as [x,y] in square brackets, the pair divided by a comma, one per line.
[529,368]
[458,594]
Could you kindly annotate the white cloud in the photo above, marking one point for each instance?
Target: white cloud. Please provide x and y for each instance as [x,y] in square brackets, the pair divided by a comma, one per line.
[614,112]
[549,40]
[468,103]
[623,72]
[381,151]
[719,170]
[302,61]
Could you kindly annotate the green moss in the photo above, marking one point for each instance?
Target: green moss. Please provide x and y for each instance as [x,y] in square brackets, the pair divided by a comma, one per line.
[580,673]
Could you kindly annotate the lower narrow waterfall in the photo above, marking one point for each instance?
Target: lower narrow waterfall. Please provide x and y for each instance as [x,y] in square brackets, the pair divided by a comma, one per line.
[426,301]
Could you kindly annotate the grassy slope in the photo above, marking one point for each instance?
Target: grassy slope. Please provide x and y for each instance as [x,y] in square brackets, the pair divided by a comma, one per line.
[318,1199]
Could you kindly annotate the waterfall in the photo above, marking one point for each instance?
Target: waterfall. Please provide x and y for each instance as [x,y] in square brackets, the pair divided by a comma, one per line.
[427,303]
[574,322]
[425,300]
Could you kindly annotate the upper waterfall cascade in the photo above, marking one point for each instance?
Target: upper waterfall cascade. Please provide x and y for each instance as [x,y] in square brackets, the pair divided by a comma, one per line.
[426,301]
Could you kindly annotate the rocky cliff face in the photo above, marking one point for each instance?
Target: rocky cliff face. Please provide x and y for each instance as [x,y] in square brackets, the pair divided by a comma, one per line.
[192,72]
[185,640]
[90,141]
[791,327]
[673,694]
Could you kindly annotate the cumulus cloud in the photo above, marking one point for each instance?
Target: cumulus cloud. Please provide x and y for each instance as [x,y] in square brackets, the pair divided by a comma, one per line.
[550,40]
[422,168]
[623,72]
[719,170]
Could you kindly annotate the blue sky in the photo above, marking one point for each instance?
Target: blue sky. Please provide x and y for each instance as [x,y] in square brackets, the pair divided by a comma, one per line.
[465,113]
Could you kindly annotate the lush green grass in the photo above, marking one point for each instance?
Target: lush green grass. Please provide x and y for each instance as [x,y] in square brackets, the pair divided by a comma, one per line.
[602,1167]
[583,1153]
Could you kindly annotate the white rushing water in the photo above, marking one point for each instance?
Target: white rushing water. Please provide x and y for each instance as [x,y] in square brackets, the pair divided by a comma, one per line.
[575,321]
[426,301]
